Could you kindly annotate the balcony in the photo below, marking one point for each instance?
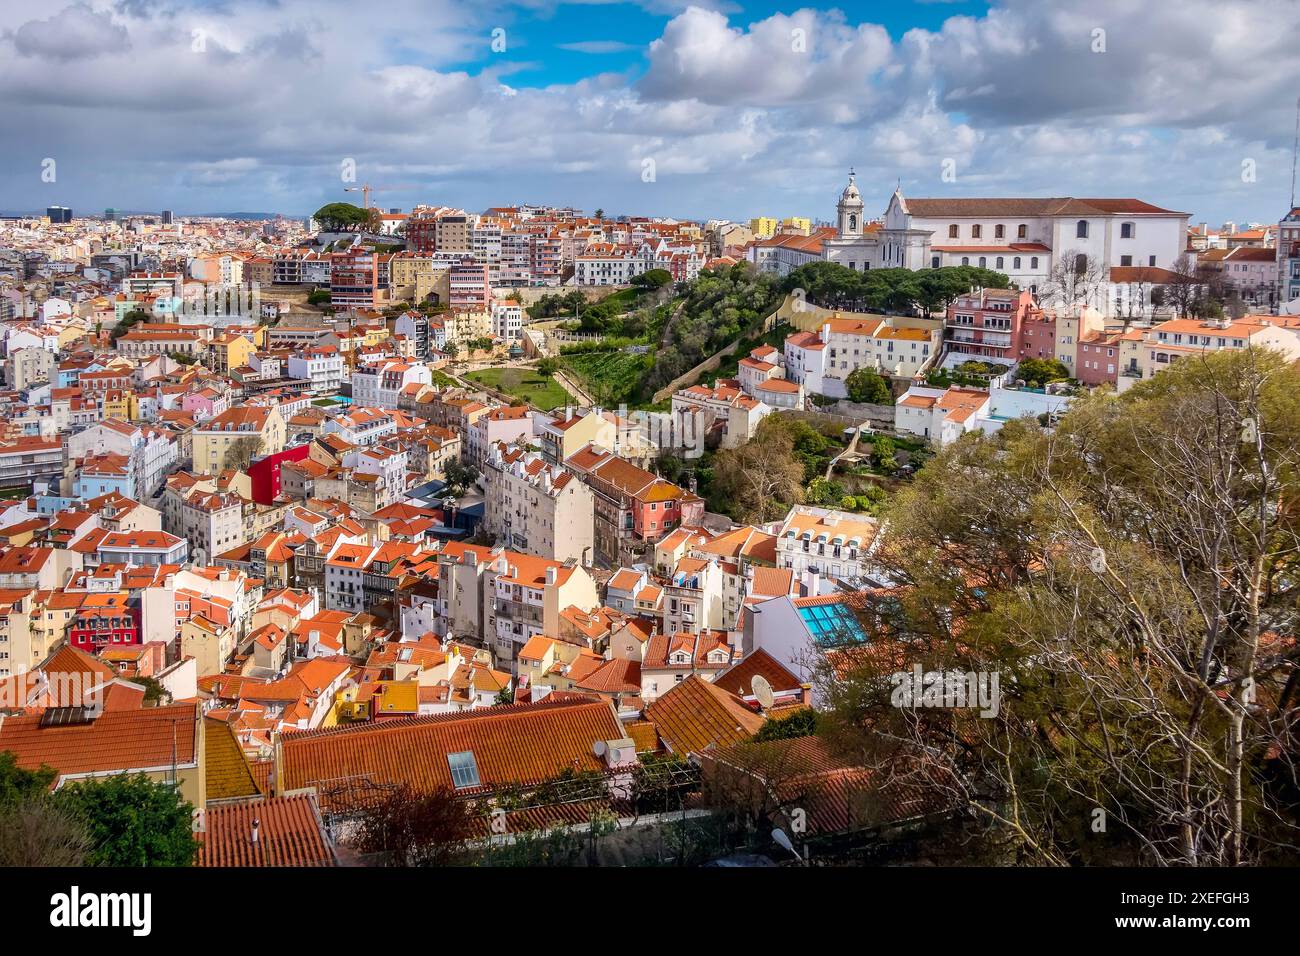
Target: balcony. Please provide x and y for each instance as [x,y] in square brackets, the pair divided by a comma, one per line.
[517,611]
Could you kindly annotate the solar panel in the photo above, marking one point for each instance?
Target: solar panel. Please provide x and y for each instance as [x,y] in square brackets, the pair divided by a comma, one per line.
[66,716]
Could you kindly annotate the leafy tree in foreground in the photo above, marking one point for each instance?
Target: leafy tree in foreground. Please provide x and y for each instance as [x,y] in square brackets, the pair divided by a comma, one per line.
[1131,580]
[412,828]
[18,784]
[132,821]
[42,832]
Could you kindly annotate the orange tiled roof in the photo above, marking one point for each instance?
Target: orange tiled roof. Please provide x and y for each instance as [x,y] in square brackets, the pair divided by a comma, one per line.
[117,740]
[513,744]
[695,715]
[289,833]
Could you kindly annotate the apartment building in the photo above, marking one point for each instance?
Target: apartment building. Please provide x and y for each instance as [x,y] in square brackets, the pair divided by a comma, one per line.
[26,460]
[826,542]
[505,424]
[359,278]
[634,508]
[537,508]
[380,384]
[319,365]
[242,432]
[1177,339]
[470,287]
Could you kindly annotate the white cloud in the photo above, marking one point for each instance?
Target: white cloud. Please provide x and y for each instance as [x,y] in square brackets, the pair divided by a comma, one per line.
[740,117]
[76,32]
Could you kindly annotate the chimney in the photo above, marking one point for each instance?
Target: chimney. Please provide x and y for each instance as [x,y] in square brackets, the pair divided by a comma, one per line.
[550,575]
[256,831]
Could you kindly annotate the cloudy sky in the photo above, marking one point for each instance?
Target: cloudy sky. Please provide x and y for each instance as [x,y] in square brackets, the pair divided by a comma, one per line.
[653,107]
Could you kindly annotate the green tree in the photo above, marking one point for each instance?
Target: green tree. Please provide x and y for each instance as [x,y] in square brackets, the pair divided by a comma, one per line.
[128,320]
[547,367]
[866,385]
[133,821]
[883,450]
[801,723]
[652,279]
[340,217]
[1125,578]
[1037,372]
[17,784]
[459,476]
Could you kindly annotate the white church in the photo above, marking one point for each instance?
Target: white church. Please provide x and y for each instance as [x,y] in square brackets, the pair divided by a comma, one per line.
[1018,237]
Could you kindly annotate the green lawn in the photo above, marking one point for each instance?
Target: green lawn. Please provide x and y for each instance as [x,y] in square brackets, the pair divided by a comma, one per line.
[524,384]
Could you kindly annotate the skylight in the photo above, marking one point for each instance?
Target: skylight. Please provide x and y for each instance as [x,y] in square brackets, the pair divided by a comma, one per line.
[832,624]
[464,769]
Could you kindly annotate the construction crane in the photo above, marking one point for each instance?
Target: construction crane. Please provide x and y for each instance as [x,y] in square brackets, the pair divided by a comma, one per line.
[366,189]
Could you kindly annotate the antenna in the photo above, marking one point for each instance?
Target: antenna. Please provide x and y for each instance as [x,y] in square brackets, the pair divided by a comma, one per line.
[1295,149]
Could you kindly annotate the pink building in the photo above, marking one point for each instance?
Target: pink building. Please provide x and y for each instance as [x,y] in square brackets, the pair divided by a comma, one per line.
[988,323]
[206,404]
[1097,359]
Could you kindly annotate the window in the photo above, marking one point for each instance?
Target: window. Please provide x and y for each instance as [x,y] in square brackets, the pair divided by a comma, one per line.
[1126,230]
[1126,260]
[934,262]
[983,261]
[1033,264]
[965,260]
[999,232]
[1081,229]
[464,771]
[1151,261]
[1081,263]
[952,231]
[975,231]
[1022,231]
[1015,263]
[999,262]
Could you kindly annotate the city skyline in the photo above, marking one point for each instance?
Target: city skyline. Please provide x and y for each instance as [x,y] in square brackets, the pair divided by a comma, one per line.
[751,111]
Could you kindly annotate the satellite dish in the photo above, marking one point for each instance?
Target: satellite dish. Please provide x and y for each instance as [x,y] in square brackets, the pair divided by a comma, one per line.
[762,691]
[599,748]
[780,839]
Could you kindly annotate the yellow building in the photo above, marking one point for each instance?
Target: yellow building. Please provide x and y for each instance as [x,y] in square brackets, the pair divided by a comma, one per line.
[211,645]
[764,227]
[564,437]
[250,429]
[799,224]
[229,351]
[119,406]
[413,278]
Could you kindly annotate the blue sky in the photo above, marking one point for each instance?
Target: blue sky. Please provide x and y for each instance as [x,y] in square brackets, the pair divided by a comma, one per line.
[572,40]
[252,105]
